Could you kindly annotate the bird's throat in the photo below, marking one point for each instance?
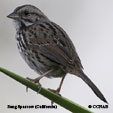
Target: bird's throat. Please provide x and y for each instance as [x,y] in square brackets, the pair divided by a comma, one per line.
[18,25]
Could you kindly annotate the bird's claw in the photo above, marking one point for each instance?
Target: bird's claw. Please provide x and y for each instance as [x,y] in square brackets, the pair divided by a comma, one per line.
[33,80]
[54,91]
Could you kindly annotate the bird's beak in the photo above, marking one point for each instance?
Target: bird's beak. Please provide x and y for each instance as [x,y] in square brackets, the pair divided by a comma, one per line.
[13,15]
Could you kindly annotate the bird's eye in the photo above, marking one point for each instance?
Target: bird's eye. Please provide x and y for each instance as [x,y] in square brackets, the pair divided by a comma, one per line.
[26,13]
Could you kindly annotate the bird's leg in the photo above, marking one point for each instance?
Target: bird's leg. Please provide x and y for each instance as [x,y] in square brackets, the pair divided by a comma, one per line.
[36,80]
[59,88]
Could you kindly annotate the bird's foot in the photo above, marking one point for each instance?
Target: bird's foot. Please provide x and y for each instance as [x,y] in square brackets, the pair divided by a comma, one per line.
[35,81]
[56,92]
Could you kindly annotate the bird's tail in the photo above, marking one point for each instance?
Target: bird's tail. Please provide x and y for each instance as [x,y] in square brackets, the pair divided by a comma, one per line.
[93,87]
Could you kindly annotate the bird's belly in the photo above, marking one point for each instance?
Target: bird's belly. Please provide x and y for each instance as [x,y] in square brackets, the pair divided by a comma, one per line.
[34,63]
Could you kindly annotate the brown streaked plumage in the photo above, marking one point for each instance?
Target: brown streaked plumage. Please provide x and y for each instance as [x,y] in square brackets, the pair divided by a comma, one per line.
[46,47]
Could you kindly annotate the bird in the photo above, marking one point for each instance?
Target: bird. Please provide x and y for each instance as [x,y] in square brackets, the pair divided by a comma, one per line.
[47,48]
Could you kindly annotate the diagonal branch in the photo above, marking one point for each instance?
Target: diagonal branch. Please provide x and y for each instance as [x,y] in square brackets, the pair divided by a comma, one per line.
[66,103]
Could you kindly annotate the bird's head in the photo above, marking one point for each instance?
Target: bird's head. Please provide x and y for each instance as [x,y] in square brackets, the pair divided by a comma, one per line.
[26,15]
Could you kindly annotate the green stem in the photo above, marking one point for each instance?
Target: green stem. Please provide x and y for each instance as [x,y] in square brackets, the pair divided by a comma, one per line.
[66,103]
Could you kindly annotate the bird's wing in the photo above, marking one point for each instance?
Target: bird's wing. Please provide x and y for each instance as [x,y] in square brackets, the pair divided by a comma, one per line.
[56,46]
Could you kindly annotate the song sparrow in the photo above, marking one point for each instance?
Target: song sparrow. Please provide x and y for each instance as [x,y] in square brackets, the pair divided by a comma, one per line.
[46,47]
